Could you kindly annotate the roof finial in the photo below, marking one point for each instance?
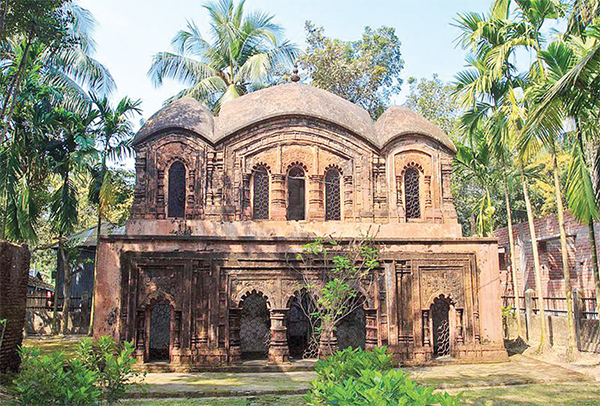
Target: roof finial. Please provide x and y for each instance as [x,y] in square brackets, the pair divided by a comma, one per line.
[295,77]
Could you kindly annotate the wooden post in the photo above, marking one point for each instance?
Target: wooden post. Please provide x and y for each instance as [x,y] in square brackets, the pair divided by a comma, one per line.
[577,315]
[528,311]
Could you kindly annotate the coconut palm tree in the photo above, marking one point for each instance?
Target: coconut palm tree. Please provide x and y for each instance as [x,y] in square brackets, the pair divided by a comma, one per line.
[242,52]
[113,140]
[483,95]
[525,31]
[572,94]
[69,155]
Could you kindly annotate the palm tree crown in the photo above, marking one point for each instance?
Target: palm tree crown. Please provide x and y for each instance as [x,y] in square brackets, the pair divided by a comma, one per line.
[242,53]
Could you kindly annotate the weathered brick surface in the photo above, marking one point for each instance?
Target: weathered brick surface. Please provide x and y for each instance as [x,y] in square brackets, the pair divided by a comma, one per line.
[580,258]
[14,267]
[202,260]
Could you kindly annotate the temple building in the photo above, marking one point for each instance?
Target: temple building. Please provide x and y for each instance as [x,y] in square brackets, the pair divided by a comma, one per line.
[202,275]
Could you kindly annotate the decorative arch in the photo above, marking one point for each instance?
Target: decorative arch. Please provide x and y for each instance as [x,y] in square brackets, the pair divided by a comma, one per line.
[260,192]
[177,191]
[245,293]
[255,325]
[411,176]
[161,326]
[298,164]
[441,314]
[333,195]
[296,192]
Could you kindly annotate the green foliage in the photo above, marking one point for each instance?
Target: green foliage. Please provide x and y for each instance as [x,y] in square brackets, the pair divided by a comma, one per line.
[52,380]
[365,72]
[345,269]
[244,51]
[432,98]
[100,371]
[356,377]
[112,364]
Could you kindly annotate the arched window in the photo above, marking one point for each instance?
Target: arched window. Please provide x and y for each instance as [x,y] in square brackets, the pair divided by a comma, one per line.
[332,195]
[412,199]
[176,198]
[260,200]
[296,200]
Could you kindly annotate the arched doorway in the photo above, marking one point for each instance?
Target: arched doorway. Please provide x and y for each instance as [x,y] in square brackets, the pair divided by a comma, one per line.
[352,329]
[301,342]
[255,326]
[440,318]
[160,332]
[296,194]
[176,197]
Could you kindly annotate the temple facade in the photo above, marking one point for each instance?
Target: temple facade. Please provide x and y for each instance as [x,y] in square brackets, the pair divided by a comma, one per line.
[203,275]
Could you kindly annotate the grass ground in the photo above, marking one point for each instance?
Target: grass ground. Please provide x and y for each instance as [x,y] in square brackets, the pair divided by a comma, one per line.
[48,344]
[581,394]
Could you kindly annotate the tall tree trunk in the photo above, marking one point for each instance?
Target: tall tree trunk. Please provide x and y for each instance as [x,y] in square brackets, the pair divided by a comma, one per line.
[595,266]
[513,261]
[572,345]
[93,306]
[536,264]
[66,290]
[98,231]
[59,271]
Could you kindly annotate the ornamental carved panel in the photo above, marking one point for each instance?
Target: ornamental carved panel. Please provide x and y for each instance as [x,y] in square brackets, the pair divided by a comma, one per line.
[442,281]
[240,287]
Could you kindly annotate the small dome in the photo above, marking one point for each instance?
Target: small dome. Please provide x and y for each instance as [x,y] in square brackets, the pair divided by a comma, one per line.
[292,99]
[186,113]
[397,121]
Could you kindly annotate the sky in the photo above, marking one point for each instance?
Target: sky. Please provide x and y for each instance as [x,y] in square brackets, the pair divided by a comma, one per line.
[130,32]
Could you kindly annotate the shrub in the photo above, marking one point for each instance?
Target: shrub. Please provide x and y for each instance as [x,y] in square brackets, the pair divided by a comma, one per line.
[112,363]
[356,377]
[51,380]
[99,372]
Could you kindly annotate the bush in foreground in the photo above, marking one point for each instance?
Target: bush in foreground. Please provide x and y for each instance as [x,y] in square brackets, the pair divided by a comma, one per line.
[356,377]
[99,372]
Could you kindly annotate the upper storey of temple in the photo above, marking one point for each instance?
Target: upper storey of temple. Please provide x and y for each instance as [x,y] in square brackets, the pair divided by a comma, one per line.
[291,157]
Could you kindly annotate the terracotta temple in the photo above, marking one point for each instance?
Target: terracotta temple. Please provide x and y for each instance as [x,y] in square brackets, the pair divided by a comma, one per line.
[202,276]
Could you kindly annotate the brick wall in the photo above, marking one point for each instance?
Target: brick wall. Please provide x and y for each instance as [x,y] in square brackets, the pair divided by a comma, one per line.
[550,256]
[14,268]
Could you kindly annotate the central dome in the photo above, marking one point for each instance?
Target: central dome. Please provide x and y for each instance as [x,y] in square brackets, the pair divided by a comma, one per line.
[292,99]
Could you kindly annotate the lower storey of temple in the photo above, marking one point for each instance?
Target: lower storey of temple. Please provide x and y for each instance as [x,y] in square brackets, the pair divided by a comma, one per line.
[199,301]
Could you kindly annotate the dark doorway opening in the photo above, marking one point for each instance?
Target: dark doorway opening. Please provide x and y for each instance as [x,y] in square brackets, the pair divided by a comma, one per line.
[255,327]
[176,197]
[296,194]
[160,332]
[301,341]
[440,310]
[352,329]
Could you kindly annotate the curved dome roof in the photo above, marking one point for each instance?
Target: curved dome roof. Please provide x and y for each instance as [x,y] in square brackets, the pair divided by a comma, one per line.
[397,121]
[186,113]
[284,100]
[292,99]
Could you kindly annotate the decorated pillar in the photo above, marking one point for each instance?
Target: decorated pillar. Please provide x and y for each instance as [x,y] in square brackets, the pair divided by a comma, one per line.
[459,327]
[246,206]
[426,330]
[371,327]
[140,339]
[160,194]
[235,352]
[278,347]
[348,198]
[278,197]
[316,205]
[400,200]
